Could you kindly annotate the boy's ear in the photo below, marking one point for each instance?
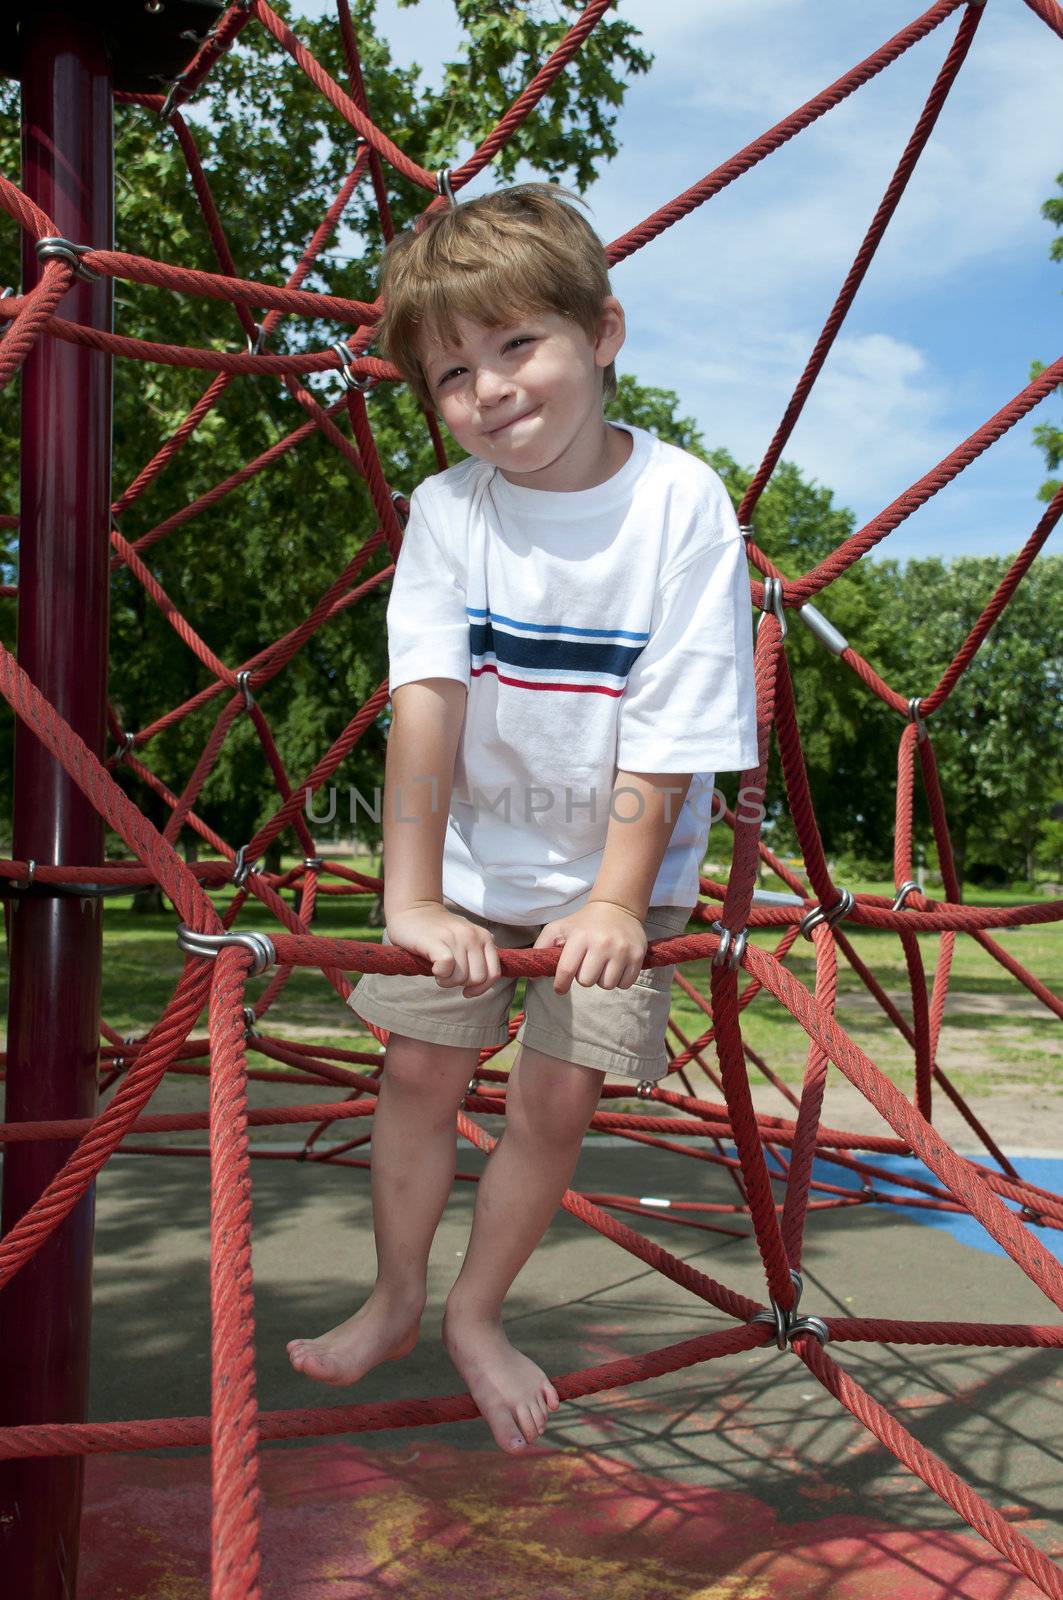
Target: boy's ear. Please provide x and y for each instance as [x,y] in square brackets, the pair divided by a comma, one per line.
[612,330]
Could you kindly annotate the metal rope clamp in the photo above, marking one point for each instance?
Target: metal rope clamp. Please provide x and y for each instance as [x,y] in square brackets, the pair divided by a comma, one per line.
[360,382]
[443,185]
[167,106]
[840,909]
[243,684]
[127,746]
[645,1088]
[209,944]
[242,868]
[250,1031]
[914,703]
[397,497]
[55,248]
[788,1323]
[773,602]
[732,946]
[903,892]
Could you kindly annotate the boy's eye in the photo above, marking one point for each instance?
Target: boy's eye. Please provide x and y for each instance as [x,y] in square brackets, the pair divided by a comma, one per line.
[522,338]
[452,373]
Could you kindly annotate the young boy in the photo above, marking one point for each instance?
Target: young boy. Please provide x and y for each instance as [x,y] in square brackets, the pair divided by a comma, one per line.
[571,663]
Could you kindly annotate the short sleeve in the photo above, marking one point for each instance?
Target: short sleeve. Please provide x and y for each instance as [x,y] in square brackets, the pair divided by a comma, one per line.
[690,700]
[428,625]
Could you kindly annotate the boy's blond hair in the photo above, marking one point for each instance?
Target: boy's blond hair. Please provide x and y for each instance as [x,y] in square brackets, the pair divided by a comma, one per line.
[493,260]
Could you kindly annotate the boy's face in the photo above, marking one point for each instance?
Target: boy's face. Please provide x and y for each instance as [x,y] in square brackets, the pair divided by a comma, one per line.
[526,396]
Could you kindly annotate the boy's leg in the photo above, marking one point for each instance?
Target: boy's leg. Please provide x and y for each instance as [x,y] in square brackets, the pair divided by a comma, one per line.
[413,1154]
[549,1103]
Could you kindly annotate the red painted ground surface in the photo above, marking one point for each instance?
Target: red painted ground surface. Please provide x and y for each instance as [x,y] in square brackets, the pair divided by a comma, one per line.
[429,1522]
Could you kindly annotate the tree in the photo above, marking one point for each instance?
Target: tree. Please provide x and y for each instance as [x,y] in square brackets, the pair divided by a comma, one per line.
[252,565]
[998,736]
[1048,437]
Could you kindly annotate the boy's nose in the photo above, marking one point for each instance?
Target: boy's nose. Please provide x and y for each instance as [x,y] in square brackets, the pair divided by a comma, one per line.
[492,387]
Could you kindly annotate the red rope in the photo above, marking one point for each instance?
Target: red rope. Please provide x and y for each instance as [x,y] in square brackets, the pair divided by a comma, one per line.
[771,1150]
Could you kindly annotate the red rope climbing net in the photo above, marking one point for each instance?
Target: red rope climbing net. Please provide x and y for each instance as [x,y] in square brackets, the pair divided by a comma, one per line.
[770,1149]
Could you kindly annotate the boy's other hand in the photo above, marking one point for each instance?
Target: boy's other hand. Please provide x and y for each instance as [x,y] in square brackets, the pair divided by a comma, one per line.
[603,944]
[463,955]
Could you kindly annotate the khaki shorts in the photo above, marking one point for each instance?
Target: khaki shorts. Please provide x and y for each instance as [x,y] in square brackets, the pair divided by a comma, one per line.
[615,1030]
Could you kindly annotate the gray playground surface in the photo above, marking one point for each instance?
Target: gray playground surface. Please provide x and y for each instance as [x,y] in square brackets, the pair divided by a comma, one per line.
[757,1422]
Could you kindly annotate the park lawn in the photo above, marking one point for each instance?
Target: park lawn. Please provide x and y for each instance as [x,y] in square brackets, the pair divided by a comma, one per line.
[996,1035]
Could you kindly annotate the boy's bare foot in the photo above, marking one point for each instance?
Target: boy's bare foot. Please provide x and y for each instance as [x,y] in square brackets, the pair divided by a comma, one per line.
[384,1329]
[514,1396]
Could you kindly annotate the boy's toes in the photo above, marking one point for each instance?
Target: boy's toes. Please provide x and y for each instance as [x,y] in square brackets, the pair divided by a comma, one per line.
[551,1396]
[528,1422]
[318,1364]
[507,1431]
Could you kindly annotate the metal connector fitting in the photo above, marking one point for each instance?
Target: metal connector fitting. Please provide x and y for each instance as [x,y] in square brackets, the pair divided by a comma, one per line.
[787,1323]
[914,704]
[773,601]
[167,106]
[209,944]
[732,946]
[54,248]
[824,631]
[840,909]
[902,894]
[443,185]
[242,867]
[243,685]
[360,382]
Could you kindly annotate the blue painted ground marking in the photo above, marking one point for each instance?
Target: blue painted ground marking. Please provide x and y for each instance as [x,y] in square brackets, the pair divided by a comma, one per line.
[1045,1171]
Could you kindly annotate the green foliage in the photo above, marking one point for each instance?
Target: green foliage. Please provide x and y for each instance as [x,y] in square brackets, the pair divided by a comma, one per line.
[248,568]
[998,737]
[506,44]
[1048,436]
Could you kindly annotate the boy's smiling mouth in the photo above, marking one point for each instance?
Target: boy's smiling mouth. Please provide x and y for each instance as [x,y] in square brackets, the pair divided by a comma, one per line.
[491,432]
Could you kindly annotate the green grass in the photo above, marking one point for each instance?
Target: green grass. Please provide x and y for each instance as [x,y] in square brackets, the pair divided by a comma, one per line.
[996,1035]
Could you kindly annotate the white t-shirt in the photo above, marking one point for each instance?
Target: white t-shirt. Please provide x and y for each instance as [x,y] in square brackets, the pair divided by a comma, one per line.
[594,629]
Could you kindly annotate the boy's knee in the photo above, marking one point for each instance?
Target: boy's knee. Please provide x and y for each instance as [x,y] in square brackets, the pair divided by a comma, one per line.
[553,1106]
[427,1068]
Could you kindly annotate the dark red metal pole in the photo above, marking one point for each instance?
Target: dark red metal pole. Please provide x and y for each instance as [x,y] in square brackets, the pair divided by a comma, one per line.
[54,1009]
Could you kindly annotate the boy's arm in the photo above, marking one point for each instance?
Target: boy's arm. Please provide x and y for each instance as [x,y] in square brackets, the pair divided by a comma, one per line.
[427,716]
[640,826]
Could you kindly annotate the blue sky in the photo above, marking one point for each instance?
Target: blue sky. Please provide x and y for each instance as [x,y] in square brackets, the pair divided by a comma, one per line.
[725,306]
